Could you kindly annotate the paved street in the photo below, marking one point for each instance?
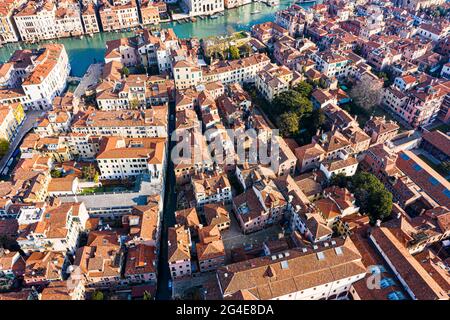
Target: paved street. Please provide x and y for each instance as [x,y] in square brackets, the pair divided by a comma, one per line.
[181,286]
[163,291]
[234,238]
[27,125]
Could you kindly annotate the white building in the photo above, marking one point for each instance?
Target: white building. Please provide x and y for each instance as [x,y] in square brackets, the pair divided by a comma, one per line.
[122,158]
[325,272]
[55,227]
[124,123]
[273,80]
[203,7]
[45,19]
[211,189]
[332,64]
[179,253]
[346,167]
[243,70]
[48,78]
[8,32]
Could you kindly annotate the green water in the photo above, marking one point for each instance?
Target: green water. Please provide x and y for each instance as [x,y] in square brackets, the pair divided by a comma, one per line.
[83,52]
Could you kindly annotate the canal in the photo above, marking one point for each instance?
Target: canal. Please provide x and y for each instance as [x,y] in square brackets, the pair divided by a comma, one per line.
[88,50]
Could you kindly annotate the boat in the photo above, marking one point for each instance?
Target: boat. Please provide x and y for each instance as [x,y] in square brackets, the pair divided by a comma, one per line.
[255,12]
[214,16]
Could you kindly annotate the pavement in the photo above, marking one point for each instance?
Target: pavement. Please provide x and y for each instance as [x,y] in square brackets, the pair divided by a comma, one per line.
[117,199]
[234,238]
[90,78]
[27,125]
[200,279]
[163,291]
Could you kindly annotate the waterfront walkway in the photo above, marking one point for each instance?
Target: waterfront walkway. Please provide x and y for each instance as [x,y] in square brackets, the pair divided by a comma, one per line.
[89,80]
[28,123]
[87,50]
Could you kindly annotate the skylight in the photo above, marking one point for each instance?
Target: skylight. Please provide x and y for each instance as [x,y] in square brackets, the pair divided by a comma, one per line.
[433,181]
[404,156]
[447,193]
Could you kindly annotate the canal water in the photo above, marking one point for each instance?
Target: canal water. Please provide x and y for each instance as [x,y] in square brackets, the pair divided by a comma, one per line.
[83,52]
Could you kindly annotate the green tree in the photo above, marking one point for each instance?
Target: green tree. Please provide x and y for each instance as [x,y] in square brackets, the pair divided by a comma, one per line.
[147,295]
[371,195]
[134,103]
[288,123]
[234,53]
[313,121]
[56,173]
[96,177]
[125,71]
[4,147]
[322,83]
[88,172]
[140,69]
[379,205]
[304,88]
[339,180]
[291,100]
[246,50]
[97,295]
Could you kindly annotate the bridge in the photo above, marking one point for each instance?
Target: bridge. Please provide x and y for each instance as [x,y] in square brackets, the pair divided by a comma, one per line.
[73,79]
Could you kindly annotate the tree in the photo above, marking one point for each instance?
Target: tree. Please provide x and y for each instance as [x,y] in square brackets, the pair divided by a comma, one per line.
[234,53]
[147,295]
[4,147]
[340,180]
[322,83]
[134,103]
[97,295]
[313,121]
[366,94]
[304,88]
[291,100]
[96,177]
[246,50]
[288,123]
[56,173]
[88,172]
[125,71]
[371,195]
[379,205]
[140,69]
[8,243]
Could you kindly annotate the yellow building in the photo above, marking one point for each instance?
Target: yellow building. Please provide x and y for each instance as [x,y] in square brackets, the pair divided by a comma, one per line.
[11,117]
